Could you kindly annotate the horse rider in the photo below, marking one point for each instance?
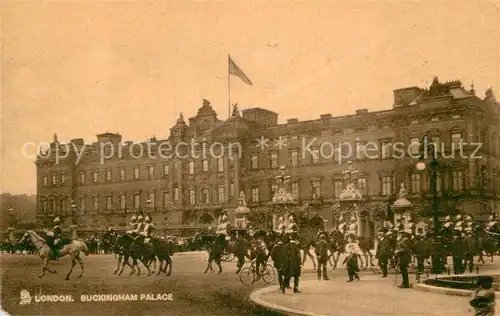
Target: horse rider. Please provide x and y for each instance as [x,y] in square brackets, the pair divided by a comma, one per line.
[342,226]
[54,237]
[251,230]
[140,225]
[459,221]
[224,228]
[492,221]
[133,225]
[147,230]
[468,225]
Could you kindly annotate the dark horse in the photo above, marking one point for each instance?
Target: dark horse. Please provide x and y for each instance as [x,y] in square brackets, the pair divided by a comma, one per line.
[163,251]
[239,246]
[135,248]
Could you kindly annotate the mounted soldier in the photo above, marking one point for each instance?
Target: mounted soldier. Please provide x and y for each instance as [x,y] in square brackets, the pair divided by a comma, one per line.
[147,230]
[448,224]
[492,224]
[132,225]
[468,225]
[54,237]
[342,225]
[223,231]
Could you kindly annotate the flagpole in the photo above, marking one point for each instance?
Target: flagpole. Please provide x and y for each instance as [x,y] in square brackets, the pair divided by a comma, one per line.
[228,86]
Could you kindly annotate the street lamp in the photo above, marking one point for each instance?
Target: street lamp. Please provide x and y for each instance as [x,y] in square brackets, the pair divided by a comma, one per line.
[425,146]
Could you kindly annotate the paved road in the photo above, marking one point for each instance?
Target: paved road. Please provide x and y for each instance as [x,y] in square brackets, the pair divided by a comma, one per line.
[194,293]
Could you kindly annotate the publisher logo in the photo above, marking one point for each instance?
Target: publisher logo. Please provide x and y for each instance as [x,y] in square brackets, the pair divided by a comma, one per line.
[25,298]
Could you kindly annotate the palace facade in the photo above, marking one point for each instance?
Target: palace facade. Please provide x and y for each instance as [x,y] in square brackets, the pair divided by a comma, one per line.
[186,181]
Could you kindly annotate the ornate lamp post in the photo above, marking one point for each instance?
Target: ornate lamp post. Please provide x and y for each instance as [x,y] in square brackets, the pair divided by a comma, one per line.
[283,202]
[425,147]
[74,224]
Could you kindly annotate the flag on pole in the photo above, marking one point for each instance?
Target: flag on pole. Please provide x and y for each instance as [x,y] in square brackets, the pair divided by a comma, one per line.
[235,70]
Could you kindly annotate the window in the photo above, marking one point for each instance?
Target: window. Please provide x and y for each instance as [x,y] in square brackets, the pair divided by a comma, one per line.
[165,171]
[274,188]
[457,178]
[255,161]
[439,183]
[151,199]
[220,165]
[108,175]
[82,177]
[109,203]
[151,172]
[53,206]
[123,202]
[360,150]
[274,160]
[220,194]
[315,156]
[82,205]
[166,199]
[414,146]
[204,165]
[95,177]
[44,206]
[61,206]
[338,187]
[54,179]
[231,189]
[316,189]
[136,173]
[205,195]
[295,158]
[192,197]
[63,178]
[255,194]
[415,183]
[362,185]
[456,139]
[45,181]
[295,190]
[95,203]
[122,175]
[137,201]
[191,167]
[386,147]
[176,194]
[386,185]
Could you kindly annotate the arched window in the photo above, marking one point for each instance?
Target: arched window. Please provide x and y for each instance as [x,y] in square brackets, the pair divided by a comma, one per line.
[206,218]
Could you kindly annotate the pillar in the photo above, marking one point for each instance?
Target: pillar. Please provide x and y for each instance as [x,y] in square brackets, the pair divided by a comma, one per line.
[358,223]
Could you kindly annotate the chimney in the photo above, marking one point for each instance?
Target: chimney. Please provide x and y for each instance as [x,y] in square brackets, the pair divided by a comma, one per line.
[325,116]
[292,121]
[361,111]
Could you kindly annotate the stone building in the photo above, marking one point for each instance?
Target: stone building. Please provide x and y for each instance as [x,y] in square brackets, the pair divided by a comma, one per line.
[197,174]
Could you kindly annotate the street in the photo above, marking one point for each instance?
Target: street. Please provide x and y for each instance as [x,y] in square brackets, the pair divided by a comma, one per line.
[194,293]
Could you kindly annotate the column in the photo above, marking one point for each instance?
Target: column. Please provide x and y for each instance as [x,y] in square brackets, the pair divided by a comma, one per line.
[236,177]
[358,223]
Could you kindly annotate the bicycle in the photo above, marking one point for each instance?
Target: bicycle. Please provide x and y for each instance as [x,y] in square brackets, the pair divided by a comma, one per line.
[249,275]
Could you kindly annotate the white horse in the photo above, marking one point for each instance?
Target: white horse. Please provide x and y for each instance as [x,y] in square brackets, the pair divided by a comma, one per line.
[43,250]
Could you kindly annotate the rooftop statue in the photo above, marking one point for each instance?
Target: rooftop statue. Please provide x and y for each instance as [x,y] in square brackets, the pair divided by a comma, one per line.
[236,112]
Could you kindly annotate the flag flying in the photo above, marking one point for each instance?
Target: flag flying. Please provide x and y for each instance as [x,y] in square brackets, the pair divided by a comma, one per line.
[235,70]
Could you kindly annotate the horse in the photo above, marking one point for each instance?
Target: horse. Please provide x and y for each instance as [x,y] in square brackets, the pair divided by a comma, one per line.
[307,240]
[163,251]
[135,248]
[336,244]
[74,248]
[238,246]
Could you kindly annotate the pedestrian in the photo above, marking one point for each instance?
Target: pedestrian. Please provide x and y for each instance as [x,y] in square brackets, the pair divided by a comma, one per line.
[353,254]
[321,250]
[483,300]
[384,252]
[279,257]
[293,263]
[404,258]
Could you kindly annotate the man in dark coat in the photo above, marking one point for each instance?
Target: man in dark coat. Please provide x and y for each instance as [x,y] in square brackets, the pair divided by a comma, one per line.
[293,263]
[384,252]
[279,257]
[321,250]
[404,258]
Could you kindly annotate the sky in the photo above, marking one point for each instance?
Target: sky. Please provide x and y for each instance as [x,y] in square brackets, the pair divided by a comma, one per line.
[81,69]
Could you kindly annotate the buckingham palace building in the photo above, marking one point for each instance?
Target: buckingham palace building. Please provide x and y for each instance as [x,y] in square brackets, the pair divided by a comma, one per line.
[207,166]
